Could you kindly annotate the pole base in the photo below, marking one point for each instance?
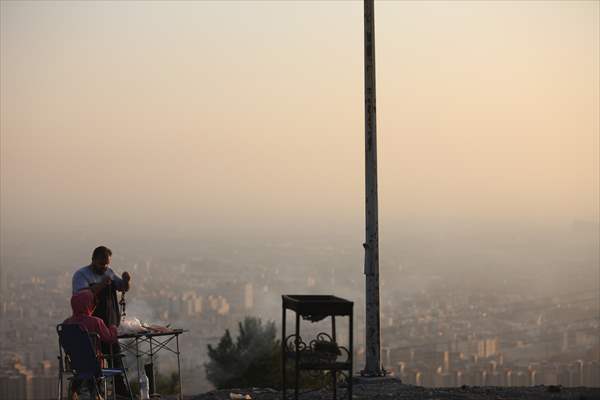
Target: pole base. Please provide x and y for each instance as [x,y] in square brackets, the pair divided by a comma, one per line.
[374,374]
[375,379]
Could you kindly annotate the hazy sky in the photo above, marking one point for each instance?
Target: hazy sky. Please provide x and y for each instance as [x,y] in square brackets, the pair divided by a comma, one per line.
[148,114]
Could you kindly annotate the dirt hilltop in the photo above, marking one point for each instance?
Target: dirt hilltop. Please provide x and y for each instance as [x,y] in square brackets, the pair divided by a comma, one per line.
[393,389]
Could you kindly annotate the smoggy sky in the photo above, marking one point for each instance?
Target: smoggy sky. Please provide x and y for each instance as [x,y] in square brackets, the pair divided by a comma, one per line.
[145,114]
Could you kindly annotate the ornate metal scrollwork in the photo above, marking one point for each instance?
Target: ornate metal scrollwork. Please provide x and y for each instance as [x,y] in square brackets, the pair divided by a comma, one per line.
[290,344]
[322,349]
[345,353]
[345,375]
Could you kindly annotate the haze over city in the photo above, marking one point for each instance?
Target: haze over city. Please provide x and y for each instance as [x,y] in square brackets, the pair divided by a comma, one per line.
[215,142]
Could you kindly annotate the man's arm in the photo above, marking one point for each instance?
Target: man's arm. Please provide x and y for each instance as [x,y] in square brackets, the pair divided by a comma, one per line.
[79,282]
[107,334]
[121,284]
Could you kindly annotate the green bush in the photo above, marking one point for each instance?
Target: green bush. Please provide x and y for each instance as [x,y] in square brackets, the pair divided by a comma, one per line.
[254,360]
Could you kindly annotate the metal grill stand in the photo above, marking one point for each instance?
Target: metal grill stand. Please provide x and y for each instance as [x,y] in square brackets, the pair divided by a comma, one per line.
[322,353]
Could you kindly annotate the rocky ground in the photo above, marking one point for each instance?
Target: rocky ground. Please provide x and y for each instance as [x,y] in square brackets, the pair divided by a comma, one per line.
[389,389]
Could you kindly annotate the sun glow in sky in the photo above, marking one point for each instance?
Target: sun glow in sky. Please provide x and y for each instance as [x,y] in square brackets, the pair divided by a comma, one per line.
[235,113]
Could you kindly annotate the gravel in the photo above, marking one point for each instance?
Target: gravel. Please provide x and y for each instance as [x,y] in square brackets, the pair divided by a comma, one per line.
[393,389]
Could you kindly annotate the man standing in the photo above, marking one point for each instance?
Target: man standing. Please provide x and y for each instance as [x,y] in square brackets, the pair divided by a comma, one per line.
[104,283]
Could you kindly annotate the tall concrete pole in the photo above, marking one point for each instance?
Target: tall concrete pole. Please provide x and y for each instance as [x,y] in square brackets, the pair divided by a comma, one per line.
[371,245]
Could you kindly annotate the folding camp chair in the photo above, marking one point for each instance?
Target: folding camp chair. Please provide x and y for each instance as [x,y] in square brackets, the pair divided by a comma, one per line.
[81,355]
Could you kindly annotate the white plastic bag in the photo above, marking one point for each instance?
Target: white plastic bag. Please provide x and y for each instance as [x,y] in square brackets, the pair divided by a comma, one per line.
[129,326]
[144,387]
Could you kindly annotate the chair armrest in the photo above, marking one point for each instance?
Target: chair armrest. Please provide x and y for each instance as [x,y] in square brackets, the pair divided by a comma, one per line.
[94,337]
[114,355]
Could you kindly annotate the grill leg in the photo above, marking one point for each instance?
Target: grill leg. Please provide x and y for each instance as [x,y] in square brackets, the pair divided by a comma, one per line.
[283,355]
[334,383]
[297,372]
[351,348]
[333,372]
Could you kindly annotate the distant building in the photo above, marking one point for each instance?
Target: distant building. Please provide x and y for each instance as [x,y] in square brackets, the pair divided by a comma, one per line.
[591,374]
[249,296]
[43,382]
[487,347]
[13,386]
[15,382]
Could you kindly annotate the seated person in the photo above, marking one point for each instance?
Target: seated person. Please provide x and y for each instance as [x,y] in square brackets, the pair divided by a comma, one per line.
[83,304]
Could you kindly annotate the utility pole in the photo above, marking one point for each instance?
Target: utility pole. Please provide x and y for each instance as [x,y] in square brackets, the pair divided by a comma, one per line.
[371,245]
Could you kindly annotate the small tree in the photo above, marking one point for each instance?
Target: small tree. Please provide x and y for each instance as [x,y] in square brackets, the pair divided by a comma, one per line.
[253,360]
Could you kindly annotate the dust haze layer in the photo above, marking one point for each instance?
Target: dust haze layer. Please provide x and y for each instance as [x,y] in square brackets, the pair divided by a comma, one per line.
[196,119]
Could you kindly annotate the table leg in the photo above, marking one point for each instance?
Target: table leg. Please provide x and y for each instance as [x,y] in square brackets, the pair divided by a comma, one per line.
[137,362]
[179,368]
[152,387]
[126,378]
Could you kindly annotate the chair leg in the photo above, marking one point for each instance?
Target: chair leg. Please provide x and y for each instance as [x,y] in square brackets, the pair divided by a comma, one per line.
[69,389]
[98,388]
[97,394]
[60,385]
[104,396]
